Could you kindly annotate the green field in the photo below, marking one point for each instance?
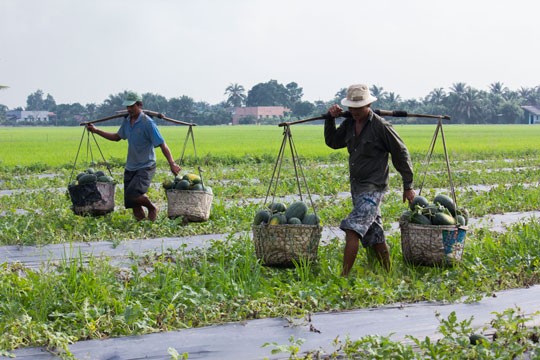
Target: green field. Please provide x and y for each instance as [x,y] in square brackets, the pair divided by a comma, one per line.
[54,147]
[177,289]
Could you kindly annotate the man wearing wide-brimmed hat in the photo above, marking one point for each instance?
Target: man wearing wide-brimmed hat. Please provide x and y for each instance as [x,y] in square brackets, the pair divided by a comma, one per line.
[369,140]
[143,136]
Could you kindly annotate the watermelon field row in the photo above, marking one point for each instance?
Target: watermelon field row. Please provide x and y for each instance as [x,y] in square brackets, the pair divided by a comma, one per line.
[177,288]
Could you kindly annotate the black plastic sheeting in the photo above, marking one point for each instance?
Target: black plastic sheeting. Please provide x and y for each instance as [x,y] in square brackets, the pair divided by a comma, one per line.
[85,194]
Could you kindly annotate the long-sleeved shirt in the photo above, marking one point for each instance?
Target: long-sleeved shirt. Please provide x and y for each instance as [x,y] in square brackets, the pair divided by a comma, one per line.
[368,152]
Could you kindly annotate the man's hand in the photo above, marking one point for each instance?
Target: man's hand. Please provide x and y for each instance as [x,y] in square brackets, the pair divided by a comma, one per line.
[175,168]
[408,195]
[90,127]
[335,111]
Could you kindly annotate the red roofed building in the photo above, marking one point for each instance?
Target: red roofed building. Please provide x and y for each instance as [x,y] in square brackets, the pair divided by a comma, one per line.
[258,112]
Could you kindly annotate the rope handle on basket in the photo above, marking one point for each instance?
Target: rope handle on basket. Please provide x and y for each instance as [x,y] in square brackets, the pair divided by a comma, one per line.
[88,153]
[287,137]
[188,135]
[428,159]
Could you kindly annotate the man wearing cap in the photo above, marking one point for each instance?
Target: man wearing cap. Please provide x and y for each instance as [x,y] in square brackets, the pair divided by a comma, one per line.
[369,140]
[143,136]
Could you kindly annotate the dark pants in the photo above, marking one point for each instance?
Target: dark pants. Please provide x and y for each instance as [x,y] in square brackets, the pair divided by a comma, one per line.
[136,183]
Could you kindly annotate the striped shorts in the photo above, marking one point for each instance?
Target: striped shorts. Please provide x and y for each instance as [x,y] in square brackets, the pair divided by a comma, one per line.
[365,218]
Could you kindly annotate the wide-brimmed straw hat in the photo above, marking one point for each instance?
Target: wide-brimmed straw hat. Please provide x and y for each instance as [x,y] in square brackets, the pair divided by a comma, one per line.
[358,95]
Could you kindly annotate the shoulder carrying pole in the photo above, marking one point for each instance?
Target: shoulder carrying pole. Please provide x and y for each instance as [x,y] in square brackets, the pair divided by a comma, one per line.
[147,112]
[391,113]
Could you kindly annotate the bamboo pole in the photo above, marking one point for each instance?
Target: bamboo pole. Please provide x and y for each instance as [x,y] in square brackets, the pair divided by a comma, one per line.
[392,113]
[124,113]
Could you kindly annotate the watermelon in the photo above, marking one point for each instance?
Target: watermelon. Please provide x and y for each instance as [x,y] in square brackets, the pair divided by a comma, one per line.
[430,211]
[105,179]
[196,187]
[406,216]
[182,185]
[443,219]
[417,218]
[87,179]
[296,210]
[277,207]
[418,201]
[311,219]
[447,202]
[262,216]
[168,184]
[294,221]
[277,219]
[192,178]
[463,212]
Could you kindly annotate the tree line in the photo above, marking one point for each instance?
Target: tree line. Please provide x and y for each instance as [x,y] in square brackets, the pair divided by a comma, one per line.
[463,103]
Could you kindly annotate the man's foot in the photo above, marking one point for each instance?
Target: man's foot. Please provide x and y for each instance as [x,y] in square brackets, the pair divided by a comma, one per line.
[152,213]
[139,214]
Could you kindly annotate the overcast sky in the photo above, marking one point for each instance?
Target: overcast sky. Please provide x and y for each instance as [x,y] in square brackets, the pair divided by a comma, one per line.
[83,51]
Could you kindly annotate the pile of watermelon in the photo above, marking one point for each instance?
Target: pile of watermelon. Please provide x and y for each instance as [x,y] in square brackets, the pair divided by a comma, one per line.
[186,182]
[90,176]
[442,211]
[279,214]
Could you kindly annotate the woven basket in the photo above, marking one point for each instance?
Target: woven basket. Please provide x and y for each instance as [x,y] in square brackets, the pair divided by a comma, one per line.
[192,205]
[92,199]
[432,245]
[281,245]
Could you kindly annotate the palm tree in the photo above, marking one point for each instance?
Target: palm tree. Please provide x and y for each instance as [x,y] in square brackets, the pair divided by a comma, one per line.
[392,100]
[236,95]
[529,96]
[498,88]
[458,88]
[378,92]
[436,96]
[469,103]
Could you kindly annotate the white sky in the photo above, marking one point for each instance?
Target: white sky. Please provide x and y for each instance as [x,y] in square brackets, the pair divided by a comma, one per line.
[83,51]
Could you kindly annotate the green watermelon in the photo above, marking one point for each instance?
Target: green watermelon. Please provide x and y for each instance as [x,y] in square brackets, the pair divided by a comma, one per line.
[192,178]
[294,221]
[447,202]
[277,219]
[105,179]
[418,201]
[182,185]
[443,219]
[262,216]
[196,187]
[420,219]
[87,179]
[311,219]
[296,210]
[463,212]
[277,207]
[168,184]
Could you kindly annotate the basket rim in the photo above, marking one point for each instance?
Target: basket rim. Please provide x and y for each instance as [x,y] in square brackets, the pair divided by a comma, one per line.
[267,226]
[191,191]
[97,183]
[433,227]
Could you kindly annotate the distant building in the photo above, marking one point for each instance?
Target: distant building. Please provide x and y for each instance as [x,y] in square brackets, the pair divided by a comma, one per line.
[29,116]
[258,112]
[532,114]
